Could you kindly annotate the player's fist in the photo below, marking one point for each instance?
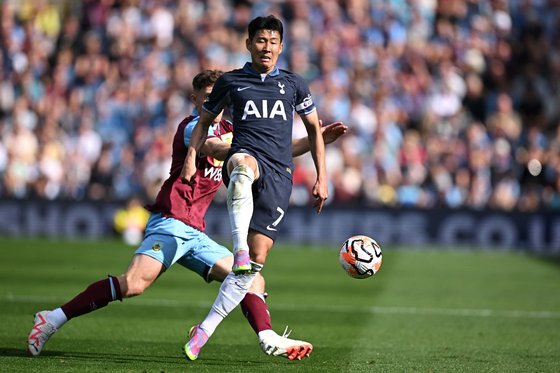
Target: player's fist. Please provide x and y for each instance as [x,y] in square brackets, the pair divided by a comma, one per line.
[188,173]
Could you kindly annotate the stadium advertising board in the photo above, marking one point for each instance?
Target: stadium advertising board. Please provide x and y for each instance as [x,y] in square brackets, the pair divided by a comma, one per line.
[535,232]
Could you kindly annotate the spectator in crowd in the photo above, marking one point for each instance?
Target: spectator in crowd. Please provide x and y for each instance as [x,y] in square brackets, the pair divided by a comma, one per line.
[449,103]
[130,221]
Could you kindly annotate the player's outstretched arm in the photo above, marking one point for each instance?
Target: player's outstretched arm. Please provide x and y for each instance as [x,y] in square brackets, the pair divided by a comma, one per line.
[331,132]
[198,137]
[317,149]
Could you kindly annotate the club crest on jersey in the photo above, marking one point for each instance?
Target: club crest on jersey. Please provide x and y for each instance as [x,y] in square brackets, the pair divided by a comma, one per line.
[262,111]
[156,246]
[281,87]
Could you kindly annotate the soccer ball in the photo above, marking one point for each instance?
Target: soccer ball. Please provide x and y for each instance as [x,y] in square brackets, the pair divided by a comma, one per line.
[360,256]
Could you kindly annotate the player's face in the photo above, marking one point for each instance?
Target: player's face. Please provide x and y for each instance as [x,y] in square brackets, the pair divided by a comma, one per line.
[199,97]
[265,47]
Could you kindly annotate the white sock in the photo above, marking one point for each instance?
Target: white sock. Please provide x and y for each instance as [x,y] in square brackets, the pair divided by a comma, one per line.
[57,317]
[231,293]
[264,334]
[240,204]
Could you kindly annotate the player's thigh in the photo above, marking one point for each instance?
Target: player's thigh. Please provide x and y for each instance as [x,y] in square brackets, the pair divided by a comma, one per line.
[206,254]
[141,273]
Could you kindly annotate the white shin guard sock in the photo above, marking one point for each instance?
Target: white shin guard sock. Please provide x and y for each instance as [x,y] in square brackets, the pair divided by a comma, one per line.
[240,204]
[231,293]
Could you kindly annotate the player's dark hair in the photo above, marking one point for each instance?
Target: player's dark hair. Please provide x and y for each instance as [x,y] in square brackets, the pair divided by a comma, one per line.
[265,23]
[205,78]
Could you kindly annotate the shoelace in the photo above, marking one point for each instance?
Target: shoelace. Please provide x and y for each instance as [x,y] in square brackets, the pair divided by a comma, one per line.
[287,332]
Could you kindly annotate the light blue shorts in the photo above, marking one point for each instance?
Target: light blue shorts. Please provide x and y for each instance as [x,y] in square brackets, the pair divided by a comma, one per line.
[171,241]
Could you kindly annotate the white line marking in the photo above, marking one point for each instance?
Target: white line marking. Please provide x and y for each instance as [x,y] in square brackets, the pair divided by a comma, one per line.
[458,312]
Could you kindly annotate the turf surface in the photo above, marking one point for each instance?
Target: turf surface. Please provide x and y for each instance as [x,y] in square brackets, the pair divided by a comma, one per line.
[425,311]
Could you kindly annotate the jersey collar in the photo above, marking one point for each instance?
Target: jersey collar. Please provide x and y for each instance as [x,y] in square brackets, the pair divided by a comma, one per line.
[249,69]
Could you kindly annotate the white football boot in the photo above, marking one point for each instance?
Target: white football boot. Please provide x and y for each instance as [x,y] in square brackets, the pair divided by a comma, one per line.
[280,345]
[40,334]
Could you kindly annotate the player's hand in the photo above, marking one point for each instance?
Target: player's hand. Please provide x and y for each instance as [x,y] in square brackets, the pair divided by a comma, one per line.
[188,173]
[321,193]
[332,131]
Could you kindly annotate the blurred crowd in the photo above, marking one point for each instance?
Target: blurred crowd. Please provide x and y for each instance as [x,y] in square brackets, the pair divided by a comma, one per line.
[450,103]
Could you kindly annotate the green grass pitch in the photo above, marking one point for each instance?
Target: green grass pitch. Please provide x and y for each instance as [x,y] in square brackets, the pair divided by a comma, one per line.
[425,311]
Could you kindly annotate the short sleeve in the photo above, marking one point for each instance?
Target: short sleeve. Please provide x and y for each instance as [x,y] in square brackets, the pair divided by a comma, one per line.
[219,97]
[188,131]
[304,101]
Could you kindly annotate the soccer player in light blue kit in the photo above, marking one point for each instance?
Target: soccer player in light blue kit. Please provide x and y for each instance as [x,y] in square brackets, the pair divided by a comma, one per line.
[258,169]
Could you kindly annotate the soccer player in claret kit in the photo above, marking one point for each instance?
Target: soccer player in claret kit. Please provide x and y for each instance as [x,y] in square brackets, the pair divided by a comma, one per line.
[258,169]
[174,234]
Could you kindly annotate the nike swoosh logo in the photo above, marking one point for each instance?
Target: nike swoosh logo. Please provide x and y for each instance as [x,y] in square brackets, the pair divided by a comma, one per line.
[268,227]
[239,89]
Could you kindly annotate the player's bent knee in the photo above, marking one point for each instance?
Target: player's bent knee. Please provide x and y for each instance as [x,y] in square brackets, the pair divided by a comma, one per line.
[243,163]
